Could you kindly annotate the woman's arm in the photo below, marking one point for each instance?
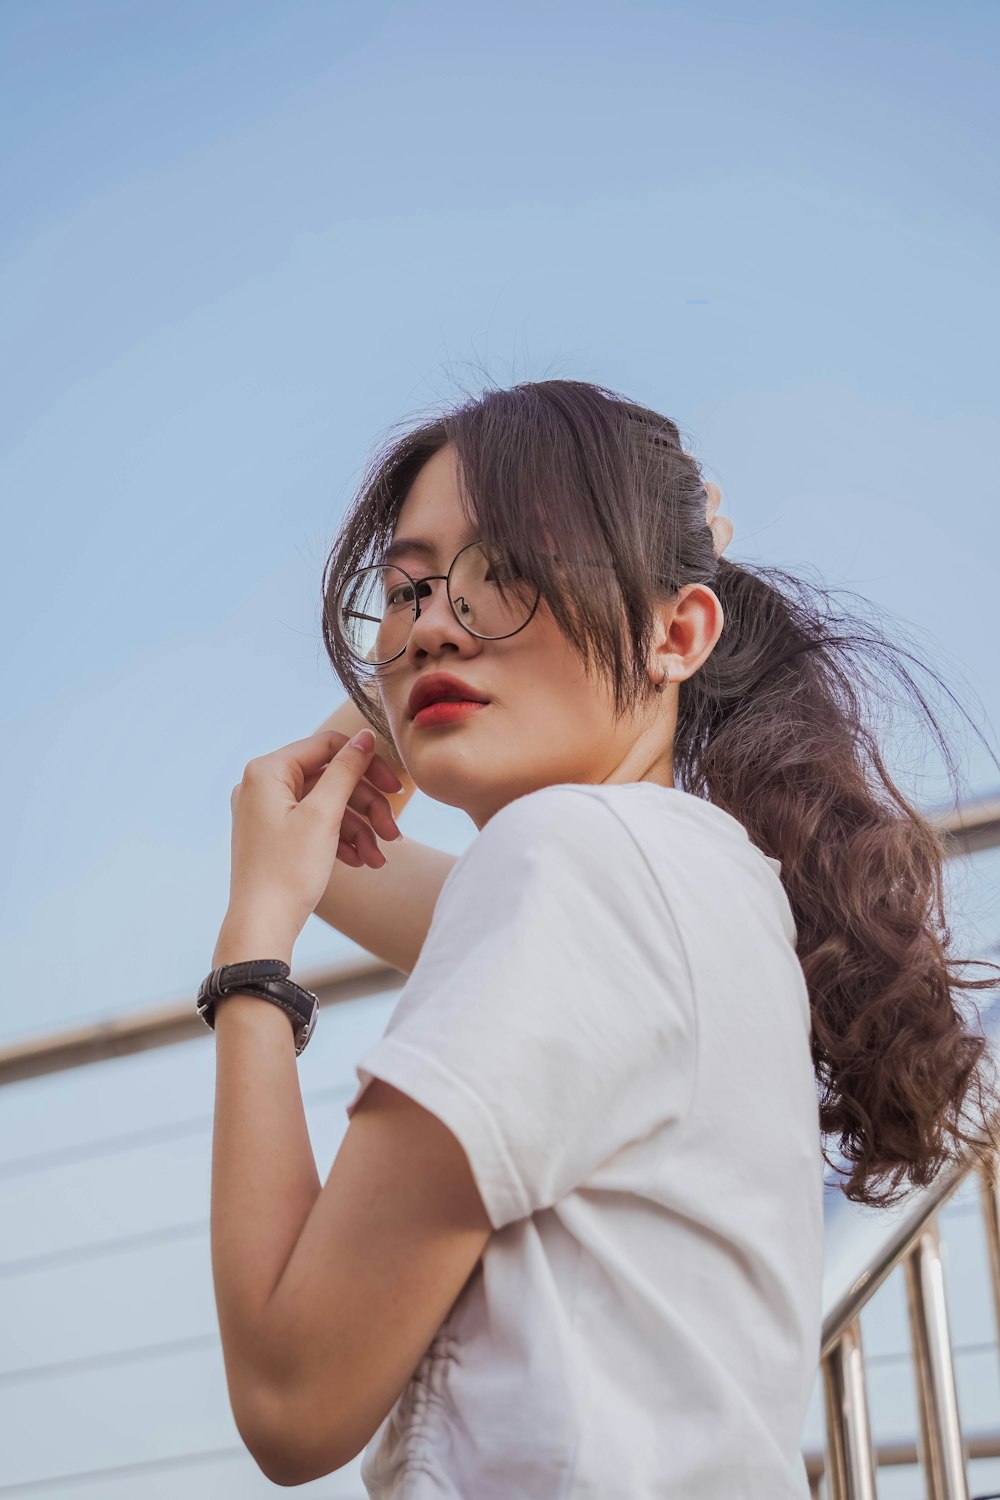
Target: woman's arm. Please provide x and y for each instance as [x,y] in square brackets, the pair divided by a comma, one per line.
[389,910]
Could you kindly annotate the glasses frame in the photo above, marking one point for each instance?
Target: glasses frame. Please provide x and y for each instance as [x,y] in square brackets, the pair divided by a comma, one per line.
[427,578]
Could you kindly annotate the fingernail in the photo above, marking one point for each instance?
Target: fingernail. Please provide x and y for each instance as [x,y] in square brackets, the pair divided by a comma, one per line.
[364,739]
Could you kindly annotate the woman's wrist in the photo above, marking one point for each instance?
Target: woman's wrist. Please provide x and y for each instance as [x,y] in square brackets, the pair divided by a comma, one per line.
[244,936]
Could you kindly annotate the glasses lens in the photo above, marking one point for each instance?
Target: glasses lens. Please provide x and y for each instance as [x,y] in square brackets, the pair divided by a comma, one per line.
[489,597]
[376,606]
[375,611]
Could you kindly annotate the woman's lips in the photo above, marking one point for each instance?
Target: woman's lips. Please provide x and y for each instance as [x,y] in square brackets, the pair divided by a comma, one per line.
[446,712]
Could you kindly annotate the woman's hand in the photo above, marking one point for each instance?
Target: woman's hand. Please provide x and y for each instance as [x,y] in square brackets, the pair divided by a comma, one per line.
[297,811]
[721,526]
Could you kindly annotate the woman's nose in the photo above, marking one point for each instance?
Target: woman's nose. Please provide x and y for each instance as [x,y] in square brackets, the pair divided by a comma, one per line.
[436,615]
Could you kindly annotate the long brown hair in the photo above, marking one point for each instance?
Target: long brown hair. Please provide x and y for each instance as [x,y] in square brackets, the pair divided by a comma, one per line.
[776,727]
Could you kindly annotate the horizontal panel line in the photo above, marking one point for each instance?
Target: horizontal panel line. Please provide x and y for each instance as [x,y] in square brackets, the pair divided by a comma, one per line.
[83,1362]
[194,1342]
[74,1253]
[143,1466]
[137,1139]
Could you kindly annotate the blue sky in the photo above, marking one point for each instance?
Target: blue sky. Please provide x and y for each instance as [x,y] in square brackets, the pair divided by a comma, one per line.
[240,240]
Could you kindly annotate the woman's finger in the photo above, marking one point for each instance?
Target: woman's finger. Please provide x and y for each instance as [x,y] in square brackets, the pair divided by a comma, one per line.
[366,800]
[376,808]
[338,779]
[721,527]
[349,855]
[358,836]
[722,533]
[380,774]
[313,754]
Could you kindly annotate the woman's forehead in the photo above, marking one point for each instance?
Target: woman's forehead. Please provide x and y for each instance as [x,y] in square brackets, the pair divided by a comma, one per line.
[431,521]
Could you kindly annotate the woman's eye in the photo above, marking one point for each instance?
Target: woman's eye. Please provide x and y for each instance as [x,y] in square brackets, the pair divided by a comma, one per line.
[403,593]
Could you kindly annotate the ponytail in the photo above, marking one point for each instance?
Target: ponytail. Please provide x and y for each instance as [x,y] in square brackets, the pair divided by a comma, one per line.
[774,729]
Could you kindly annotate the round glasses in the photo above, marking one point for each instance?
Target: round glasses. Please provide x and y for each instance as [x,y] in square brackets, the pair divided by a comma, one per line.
[376,607]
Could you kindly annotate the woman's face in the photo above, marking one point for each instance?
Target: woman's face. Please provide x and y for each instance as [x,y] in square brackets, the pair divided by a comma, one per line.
[545,721]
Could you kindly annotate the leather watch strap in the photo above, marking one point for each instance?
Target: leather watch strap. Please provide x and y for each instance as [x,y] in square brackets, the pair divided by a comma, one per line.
[273,990]
[235,976]
[252,978]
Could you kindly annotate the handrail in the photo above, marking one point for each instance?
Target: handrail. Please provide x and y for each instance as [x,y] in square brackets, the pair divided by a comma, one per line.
[174,1021]
[851,1457]
[900,1454]
[968,828]
[927,1202]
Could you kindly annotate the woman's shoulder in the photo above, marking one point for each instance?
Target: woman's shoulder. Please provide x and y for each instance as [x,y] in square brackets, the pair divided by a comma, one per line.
[617,834]
[560,819]
[564,835]
[642,806]
[623,833]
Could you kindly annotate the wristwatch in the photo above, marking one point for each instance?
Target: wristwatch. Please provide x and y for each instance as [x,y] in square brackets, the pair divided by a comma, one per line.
[267,978]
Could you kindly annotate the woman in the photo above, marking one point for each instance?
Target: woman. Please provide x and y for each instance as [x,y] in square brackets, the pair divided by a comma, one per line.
[571,1244]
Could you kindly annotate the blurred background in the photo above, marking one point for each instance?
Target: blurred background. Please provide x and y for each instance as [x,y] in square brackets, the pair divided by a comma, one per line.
[238,242]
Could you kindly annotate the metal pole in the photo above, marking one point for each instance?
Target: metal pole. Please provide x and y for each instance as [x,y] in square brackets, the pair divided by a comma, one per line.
[991,1215]
[850,1457]
[942,1450]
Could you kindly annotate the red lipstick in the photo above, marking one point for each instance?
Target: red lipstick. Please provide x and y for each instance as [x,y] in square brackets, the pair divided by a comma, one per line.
[445,712]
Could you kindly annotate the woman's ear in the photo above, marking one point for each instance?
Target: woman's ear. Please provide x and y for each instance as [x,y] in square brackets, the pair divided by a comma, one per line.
[687,630]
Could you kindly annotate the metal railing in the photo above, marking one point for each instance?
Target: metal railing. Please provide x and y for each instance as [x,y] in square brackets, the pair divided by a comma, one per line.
[173,1021]
[851,1457]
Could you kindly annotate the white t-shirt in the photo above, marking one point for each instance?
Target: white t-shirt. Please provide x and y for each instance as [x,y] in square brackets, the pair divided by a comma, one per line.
[609,1014]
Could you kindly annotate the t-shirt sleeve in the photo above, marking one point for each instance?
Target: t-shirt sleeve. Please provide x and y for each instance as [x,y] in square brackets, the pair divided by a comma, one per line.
[549,1019]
